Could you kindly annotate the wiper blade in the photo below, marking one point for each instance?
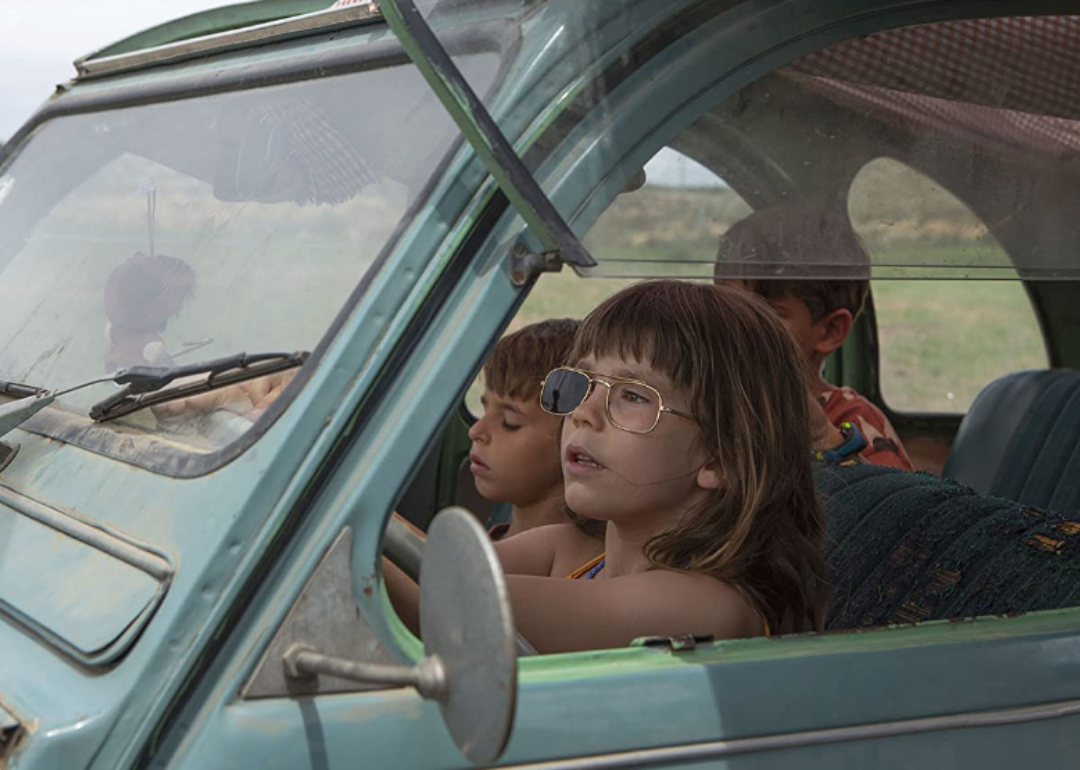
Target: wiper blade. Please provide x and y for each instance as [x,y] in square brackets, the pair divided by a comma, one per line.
[143,383]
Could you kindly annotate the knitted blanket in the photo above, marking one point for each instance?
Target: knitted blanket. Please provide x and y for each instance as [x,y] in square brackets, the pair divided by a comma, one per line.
[906,547]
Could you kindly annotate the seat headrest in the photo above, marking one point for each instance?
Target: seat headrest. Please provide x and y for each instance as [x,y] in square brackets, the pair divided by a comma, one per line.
[1018,440]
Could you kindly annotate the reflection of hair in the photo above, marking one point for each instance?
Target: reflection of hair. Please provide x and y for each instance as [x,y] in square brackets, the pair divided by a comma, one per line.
[747,386]
[797,241]
[145,292]
[522,360]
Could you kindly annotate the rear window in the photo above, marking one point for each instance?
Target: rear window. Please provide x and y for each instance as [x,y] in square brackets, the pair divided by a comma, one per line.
[940,342]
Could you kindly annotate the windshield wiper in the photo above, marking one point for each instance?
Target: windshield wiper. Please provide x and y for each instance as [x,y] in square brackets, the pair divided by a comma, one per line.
[143,383]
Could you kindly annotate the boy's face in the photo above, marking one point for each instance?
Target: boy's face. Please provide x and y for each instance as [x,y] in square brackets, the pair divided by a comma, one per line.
[515,451]
[796,315]
[816,339]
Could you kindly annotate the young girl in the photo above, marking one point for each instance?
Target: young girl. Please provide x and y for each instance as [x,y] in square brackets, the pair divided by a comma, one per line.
[687,429]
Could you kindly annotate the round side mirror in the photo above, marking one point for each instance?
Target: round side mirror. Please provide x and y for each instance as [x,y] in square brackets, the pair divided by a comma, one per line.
[470,661]
[466,623]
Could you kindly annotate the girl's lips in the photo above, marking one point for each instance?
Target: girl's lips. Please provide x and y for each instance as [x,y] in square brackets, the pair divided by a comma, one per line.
[477,466]
[577,461]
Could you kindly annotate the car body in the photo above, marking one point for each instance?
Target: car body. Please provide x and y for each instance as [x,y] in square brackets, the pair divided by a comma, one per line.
[328,197]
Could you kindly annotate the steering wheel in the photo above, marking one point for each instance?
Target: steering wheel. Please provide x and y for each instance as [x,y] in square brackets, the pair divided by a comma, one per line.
[405,548]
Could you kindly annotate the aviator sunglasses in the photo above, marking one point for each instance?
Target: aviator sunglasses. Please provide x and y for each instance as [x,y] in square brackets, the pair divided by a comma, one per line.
[631,405]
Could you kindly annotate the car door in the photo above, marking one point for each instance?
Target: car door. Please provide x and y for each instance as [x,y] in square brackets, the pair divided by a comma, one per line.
[988,692]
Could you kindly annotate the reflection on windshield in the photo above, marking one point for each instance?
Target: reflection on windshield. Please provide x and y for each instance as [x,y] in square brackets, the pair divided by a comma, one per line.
[225,223]
[6,183]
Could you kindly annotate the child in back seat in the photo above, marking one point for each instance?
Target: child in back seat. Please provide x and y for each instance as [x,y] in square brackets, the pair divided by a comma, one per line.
[793,240]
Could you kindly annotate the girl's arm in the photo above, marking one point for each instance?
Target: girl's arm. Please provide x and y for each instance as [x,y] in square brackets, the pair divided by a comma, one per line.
[558,615]
[568,615]
[529,553]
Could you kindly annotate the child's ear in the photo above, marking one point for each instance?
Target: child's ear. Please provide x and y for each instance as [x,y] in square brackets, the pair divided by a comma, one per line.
[709,476]
[833,330]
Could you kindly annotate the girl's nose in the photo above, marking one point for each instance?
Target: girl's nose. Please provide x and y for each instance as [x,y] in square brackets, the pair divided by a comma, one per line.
[590,411]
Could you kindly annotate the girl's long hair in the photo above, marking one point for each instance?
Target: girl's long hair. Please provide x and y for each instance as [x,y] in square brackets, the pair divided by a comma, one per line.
[748,388]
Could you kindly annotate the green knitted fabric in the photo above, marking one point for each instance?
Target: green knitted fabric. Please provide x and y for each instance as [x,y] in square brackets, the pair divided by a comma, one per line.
[905,547]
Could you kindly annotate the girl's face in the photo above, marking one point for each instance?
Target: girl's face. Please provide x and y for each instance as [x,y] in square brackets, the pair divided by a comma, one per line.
[633,478]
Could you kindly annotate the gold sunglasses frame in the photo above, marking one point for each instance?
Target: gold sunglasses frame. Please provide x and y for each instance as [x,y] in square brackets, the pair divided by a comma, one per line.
[608,381]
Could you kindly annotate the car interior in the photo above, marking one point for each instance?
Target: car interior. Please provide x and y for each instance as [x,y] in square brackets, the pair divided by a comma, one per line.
[959,178]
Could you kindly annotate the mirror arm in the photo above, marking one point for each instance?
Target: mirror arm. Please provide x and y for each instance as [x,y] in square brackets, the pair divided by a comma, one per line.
[428,676]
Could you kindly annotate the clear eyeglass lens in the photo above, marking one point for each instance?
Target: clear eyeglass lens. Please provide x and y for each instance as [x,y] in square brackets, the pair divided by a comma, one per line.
[633,407]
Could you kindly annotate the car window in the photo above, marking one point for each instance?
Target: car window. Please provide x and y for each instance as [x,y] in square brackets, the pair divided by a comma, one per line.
[190,230]
[675,209]
[940,342]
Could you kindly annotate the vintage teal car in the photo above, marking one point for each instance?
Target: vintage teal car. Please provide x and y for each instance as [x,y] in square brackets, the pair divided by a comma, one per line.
[336,211]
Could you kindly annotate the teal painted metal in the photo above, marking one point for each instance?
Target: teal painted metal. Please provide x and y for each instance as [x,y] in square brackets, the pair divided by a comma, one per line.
[78,596]
[151,709]
[483,134]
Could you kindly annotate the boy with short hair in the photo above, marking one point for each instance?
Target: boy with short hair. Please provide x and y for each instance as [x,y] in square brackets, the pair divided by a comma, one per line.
[793,241]
[515,455]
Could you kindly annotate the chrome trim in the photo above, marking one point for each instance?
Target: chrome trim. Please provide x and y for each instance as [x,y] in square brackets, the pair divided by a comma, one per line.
[717,749]
[320,21]
[93,535]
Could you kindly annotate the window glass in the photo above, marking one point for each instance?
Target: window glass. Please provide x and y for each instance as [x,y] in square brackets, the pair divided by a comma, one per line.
[187,231]
[973,104]
[675,208]
[940,341]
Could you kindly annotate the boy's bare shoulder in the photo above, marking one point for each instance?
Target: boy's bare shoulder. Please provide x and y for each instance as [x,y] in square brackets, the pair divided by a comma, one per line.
[544,551]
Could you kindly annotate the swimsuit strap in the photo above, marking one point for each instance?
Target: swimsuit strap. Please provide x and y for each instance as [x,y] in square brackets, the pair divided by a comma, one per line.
[596,562]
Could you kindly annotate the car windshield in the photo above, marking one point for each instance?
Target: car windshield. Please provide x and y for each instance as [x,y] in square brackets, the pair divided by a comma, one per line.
[190,230]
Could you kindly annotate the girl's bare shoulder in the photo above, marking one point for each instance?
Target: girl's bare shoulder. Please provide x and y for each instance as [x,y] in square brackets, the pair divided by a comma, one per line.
[719,607]
[573,548]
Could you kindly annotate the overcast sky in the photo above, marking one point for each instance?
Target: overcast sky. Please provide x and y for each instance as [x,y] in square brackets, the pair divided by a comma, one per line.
[39,39]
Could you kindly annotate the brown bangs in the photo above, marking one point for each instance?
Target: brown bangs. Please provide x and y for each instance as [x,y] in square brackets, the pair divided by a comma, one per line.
[653,322]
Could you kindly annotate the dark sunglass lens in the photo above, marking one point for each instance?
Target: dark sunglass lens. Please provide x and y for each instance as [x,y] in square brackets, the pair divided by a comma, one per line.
[564,391]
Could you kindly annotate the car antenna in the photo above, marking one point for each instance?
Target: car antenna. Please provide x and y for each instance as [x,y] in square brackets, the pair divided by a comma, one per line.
[151,211]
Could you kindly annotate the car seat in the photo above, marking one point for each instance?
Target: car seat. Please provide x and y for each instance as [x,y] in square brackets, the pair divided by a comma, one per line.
[1021,440]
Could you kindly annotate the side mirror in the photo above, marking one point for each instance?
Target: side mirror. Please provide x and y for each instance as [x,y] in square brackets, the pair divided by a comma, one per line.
[470,661]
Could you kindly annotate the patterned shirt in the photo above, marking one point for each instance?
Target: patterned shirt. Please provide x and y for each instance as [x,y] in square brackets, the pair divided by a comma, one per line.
[884,445]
